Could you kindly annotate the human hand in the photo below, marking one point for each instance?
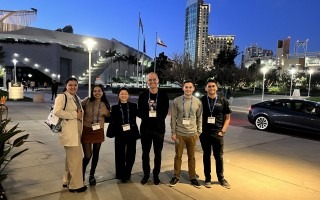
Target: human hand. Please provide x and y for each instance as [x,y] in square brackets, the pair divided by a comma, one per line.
[173,136]
[79,114]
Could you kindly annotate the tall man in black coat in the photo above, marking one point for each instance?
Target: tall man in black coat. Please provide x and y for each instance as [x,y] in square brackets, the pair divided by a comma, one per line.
[153,105]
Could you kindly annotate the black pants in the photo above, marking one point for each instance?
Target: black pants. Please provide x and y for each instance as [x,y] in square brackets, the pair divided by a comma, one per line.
[216,142]
[149,136]
[125,155]
[54,94]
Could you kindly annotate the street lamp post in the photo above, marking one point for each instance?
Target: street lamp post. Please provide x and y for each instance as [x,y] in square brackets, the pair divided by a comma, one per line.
[117,74]
[264,71]
[292,71]
[15,69]
[310,72]
[125,75]
[89,43]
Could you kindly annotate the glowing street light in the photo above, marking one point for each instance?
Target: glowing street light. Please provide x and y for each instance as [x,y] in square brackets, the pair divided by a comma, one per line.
[89,43]
[264,70]
[310,72]
[292,71]
[15,69]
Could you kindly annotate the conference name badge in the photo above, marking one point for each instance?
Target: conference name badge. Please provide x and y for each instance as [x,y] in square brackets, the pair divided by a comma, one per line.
[186,121]
[152,114]
[126,127]
[211,120]
[95,126]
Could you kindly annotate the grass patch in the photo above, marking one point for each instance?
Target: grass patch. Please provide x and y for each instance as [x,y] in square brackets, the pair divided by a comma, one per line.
[317,99]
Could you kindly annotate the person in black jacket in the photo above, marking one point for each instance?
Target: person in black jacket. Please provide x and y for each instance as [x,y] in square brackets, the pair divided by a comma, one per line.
[54,89]
[153,105]
[215,121]
[124,127]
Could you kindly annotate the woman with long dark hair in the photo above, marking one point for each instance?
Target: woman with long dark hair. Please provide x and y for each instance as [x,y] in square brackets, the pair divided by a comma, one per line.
[96,109]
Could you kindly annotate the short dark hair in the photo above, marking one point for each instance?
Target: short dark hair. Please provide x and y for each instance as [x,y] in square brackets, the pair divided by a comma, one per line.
[123,88]
[188,81]
[211,80]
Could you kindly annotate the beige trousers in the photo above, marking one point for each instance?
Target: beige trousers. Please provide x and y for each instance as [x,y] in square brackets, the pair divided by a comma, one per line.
[73,167]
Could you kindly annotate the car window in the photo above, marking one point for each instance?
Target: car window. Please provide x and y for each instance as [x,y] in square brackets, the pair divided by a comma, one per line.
[281,105]
[305,107]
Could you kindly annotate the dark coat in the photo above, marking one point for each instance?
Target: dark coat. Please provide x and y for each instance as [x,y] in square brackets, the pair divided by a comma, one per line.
[162,108]
[116,122]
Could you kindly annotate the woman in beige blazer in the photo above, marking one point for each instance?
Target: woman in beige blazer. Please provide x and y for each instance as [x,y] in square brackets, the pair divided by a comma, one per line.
[70,135]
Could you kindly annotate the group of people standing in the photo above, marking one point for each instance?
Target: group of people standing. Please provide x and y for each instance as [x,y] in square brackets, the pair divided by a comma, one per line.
[83,131]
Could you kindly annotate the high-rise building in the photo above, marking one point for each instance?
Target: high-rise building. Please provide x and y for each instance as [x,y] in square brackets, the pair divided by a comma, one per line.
[196,31]
[254,53]
[216,43]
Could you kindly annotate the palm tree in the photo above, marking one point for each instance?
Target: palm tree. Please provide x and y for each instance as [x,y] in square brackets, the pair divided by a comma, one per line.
[132,60]
[120,58]
[110,54]
[253,70]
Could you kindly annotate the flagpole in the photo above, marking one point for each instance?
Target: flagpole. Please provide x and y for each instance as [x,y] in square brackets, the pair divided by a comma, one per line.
[142,70]
[138,55]
[155,55]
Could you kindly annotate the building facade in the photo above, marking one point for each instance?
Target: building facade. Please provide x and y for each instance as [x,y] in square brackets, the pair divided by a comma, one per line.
[216,43]
[196,31]
[254,52]
[60,55]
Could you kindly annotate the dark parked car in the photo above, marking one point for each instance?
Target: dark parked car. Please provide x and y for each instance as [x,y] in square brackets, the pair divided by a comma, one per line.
[288,113]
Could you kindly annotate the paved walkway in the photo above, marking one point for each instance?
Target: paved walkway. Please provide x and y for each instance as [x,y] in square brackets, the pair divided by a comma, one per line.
[258,165]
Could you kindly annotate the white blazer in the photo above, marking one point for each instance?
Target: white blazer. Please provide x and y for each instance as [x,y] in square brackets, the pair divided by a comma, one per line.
[70,134]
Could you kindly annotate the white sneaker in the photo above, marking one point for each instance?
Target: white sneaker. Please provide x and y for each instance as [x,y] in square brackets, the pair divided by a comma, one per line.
[207,184]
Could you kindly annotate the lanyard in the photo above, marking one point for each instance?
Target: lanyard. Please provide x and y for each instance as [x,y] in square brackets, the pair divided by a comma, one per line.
[155,103]
[98,112]
[122,113]
[215,101]
[183,107]
[76,101]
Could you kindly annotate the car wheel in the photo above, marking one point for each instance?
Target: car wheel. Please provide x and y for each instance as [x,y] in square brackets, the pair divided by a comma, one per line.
[262,122]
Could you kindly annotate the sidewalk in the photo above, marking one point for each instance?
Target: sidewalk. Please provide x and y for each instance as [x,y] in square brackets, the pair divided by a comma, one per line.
[258,165]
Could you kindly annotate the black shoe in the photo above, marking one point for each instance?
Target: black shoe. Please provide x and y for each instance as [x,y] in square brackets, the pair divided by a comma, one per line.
[92,180]
[195,183]
[82,189]
[123,180]
[173,182]
[156,180]
[65,185]
[224,183]
[144,180]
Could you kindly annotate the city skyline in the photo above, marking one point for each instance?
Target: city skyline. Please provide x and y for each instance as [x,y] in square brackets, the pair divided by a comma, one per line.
[251,21]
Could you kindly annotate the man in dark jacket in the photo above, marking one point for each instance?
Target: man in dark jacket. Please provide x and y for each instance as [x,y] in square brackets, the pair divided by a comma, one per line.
[153,105]
[54,89]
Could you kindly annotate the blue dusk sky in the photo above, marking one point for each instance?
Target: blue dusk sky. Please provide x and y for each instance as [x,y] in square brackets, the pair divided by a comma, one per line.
[261,22]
